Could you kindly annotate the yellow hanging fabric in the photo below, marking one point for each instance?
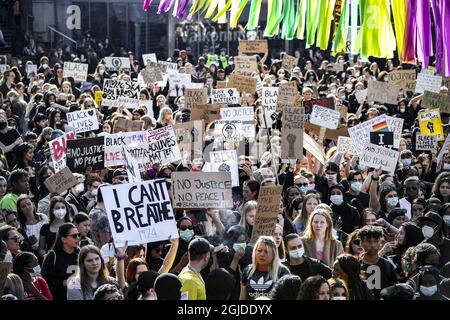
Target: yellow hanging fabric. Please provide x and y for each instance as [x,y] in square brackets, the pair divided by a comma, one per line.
[399,12]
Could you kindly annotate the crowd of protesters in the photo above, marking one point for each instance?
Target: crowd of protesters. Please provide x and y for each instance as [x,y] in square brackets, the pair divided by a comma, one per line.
[344,231]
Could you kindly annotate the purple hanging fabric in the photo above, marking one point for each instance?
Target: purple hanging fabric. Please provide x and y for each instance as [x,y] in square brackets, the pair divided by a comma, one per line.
[408,54]
[146,4]
[444,7]
[182,5]
[438,27]
[423,24]
[164,6]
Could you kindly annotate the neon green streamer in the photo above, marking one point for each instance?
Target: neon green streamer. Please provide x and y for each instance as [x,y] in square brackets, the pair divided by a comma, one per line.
[235,18]
[198,4]
[222,12]
[253,18]
[301,18]
[341,33]
[274,17]
[212,7]
[289,22]
[325,18]
[206,6]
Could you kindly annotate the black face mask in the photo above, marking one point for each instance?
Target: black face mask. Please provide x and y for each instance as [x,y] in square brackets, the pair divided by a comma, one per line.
[3,125]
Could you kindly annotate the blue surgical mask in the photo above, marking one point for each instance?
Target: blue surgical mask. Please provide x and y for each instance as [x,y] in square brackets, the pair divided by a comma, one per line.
[356,186]
[187,235]
[239,246]
[428,291]
[392,202]
[337,199]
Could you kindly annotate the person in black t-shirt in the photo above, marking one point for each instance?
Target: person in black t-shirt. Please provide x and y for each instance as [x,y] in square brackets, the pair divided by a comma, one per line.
[432,228]
[354,196]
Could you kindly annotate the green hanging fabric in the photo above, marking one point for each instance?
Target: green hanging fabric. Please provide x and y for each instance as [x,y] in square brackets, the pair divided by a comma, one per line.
[311,21]
[222,12]
[198,5]
[274,17]
[301,19]
[340,36]
[326,10]
[253,18]
[212,6]
[234,20]
[289,23]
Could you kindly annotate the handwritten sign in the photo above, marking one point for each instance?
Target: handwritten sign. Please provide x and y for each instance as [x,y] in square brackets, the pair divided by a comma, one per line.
[406,79]
[152,73]
[178,83]
[314,148]
[292,133]
[428,82]
[225,96]
[425,143]
[269,104]
[78,71]
[374,156]
[117,63]
[149,57]
[266,211]
[430,123]
[289,62]
[433,100]
[131,166]
[225,161]
[189,136]
[58,150]
[31,70]
[195,96]
[135,142]
[118,92]
[84,153]
[382,92]
[243,116]
[253,46]
[360,134]
[193,190]
[139,212]
[345,146]
[324,117]
[245,64]
[308,105]
[242,83]
[61,181]
[83,120]
[163,146]
[206,112]
[286,96]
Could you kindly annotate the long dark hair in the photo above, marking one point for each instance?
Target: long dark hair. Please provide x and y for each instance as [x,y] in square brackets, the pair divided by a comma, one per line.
[351,266]
[52,204]
[311,287]
[63,231]
[22,261]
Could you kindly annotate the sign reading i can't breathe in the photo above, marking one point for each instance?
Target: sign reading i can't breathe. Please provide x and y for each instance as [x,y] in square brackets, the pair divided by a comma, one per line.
[83,121]
[139,212]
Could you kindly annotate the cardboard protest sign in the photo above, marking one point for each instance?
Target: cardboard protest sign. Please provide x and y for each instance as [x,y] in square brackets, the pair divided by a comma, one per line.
[131,166]
[361,95]
[125,125]
[324,117]
[152,73]
[136,143]
[84,153]
[292,133]
[58,150]
[431,100]
[286,97]
[163,146]
[269,104]
[428,82]
[189,136]
[406,79]
[178,83]
[425,143]
[31,70]
[225,161]
[168,67]
[266,211]
[117,63]
[374,156]
[242,83]
[337,67]
[118,92]
[225,96]
[430,123]
[314,148]
[61,181]
[83,120]
[195,190]
[139,212]
[384,139]
[98,97]
[207,112]
[149,57]
[382,92]
[345,145]
[78,71]
[245,64]
[253,46]
[195,96]
[308,105]
[289,62]
[240,119]
[221,85]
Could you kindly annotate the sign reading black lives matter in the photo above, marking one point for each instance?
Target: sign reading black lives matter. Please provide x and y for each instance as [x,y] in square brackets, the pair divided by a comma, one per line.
[83,120]
[139,212]
[83,153]
[118,92]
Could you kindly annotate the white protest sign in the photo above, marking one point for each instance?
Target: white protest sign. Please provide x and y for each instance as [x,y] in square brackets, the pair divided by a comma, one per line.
[396,126]
[345,145]
[225,161]
[131,166]
[148,105]
[314,148]
[31,70]
[361,95]
[178,82]
[360,134]
[428,82]
[117,63]
[382,92]
[117,92]
[325,117]
[149,57]
[225,96]
[269,104]
[135,142]
[443,150]
[425,143]
[83,120]
[58,150]
[243,114]
[139,212]
[168,67]
[78,71]
[163,147]
[374,156]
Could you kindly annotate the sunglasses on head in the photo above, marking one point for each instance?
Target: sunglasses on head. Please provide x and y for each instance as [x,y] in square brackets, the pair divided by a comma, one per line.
[75,235]
[186,227]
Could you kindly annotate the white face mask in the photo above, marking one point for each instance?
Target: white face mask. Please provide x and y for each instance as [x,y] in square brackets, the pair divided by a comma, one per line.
[392,202]
[338,298]
[446,166]
[337,199]
[447,220]
[406,162]
[356,186]
[79,188]
[428,291]
[36,271]
[297,254]
[239,246]
[427,232]
[60,213]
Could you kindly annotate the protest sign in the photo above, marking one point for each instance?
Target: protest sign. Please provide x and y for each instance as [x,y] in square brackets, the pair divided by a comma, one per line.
[125,125]
[431,100]
[374,156]
[443,150]
[225,161]
[58,150]
[245,64]
[308,105]
[240,117]
[61,181]
[406,79]
[117,63]
[31,70]
[98,96]
[324,117]
[289,62]
[396,126]
[269,104]
[3,68]
[382,92]
[83,120]
[168,67]
[189,136]
[207,112]
[149,57]
[361,95]
[136,143]
[195,190]
[425,143]
[286,97]
[131,166]
[292,133]
[139,212]
[225,96]
[266,211]
[178,83]
[221,85]
[336,67]
[253,46]
[152,73]
[314,148]
[147,105]
[78,71]
[345,145]
[428,82]
[84,153]
[118,92]
[163,146]
[430,123]
[195,96]
[360,134]
[384,139]
[242,83]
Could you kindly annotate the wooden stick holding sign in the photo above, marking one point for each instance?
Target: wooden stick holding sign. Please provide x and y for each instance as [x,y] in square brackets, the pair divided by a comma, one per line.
[266,211]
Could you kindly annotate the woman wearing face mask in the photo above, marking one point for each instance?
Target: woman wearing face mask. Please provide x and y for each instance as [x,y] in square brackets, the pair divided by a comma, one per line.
[338,289]
[310,201]
[90,196]
[26,266]
[341,209]
[432,229]
[58,215]
[388,201]
[187,233]
[429,280]
[409,235]
[75,196]
[406,112]
[310,79]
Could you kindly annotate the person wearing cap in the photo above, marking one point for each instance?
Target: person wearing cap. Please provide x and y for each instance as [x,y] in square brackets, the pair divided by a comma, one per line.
[399,291]
[74,198]
[330,177]
[397,217]
[432,229]
[347,214]
[119,176]
[192,282]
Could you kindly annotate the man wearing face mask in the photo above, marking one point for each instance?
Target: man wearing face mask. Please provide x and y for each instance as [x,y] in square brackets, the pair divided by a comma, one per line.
[330,178]
[406,158]
[341,209]
[299,264]
[411,186]
[432,229]
[74,198]
[354,195]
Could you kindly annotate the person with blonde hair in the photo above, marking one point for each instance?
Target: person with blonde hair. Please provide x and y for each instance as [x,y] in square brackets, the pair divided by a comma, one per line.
[319,240]
[259,277]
